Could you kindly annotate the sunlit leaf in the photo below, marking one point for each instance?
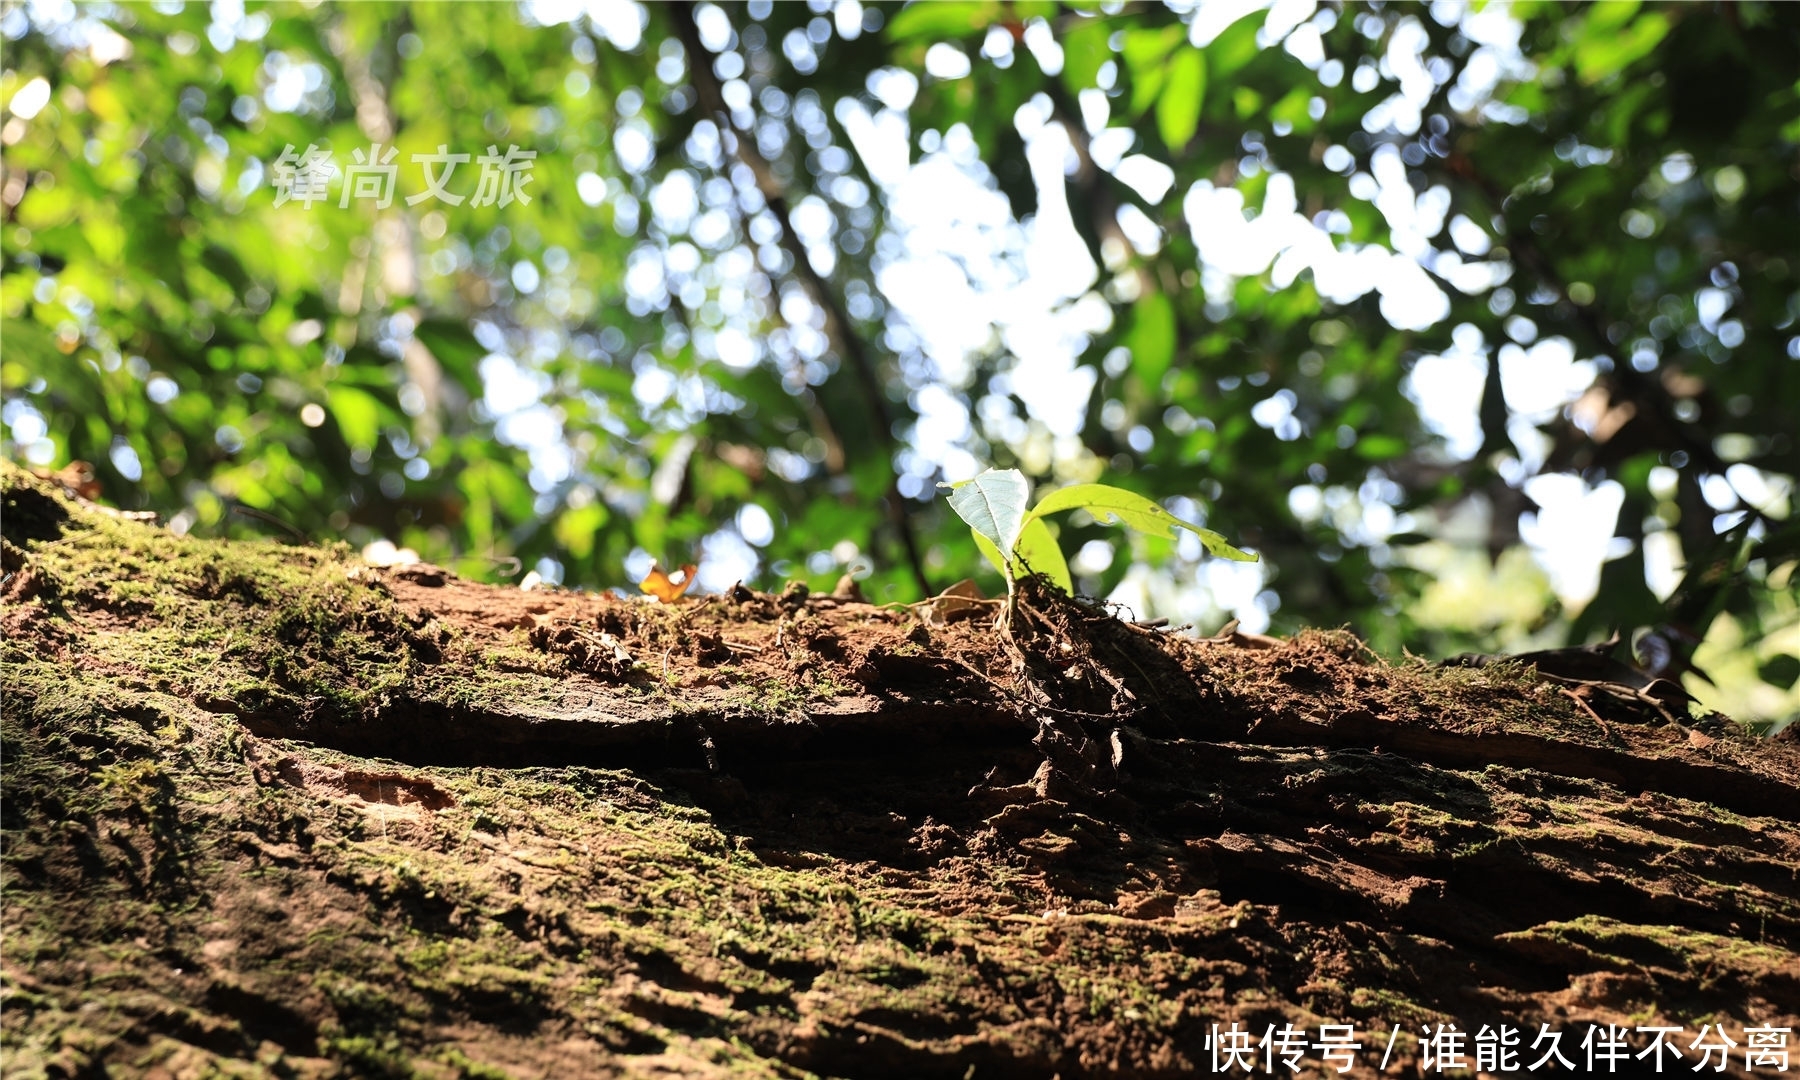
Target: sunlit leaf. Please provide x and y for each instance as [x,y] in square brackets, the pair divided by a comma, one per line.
[1145,53]
[1178,107]
[1147,48]
[1609,17]
[942,19]
[1294,109]
[1152,338]
[576,529]
[1085,49]
[1133,511]
[1235,47]
[1380,447]
[1608,52]
[994,505]
[358,415]
[1039,553]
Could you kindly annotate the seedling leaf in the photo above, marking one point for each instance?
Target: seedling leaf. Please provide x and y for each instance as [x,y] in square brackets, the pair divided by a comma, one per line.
[1134,511]
[994,506]
[1037,553]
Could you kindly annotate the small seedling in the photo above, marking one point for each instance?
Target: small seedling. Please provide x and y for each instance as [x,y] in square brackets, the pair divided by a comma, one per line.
[994,506]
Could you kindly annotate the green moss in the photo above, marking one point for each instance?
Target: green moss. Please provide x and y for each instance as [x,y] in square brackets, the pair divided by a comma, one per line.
[1632,946]
[469,1069]
[1387,1006]
[264,625]
[771,695]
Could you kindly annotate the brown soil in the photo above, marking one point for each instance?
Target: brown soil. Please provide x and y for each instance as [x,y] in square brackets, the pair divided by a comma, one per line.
[269,811]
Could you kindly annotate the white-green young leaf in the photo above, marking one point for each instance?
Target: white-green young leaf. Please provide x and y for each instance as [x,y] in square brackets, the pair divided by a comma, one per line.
[1037,553]
[994,506]
[1134,511]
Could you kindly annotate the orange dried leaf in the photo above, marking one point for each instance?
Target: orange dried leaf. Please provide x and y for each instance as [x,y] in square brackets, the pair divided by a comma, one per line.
[77,478]
[668,587]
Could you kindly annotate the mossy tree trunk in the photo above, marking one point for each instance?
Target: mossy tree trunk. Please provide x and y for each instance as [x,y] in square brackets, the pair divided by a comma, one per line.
[270,811]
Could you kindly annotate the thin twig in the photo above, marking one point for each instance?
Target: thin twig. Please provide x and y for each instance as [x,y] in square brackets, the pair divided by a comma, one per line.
[67,537]
[510,562]
[223,649]
[253,512]
[1589,709]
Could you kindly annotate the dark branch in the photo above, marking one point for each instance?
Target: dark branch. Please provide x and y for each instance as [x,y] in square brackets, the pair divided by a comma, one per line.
[837,320]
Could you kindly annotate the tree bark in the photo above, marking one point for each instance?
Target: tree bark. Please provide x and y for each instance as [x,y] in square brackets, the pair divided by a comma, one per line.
[269,810]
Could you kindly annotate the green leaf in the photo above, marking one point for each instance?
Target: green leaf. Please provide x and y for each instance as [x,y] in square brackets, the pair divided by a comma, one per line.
[1604,19]
[1235,47]
[988,549]
[1178,107]
[1146,85]
[1247,102]
[940,20]
[1145,53]
[1295,109]
[1085,51]
[1380,447]
[1152,338]
[1146,49]
[1133,511]
[1039,553]
[577,527]
[1780,670]
[456,350]
[1603,54]
[225,265]
[994,505]
[358,415]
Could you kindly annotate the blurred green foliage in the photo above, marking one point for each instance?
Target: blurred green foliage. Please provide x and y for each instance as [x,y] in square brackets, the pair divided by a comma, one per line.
[682,339]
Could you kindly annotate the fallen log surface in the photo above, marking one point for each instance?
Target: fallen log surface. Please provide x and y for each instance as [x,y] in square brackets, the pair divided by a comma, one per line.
[268,810]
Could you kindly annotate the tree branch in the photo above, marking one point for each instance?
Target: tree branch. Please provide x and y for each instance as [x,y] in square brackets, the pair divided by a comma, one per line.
[837,320]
